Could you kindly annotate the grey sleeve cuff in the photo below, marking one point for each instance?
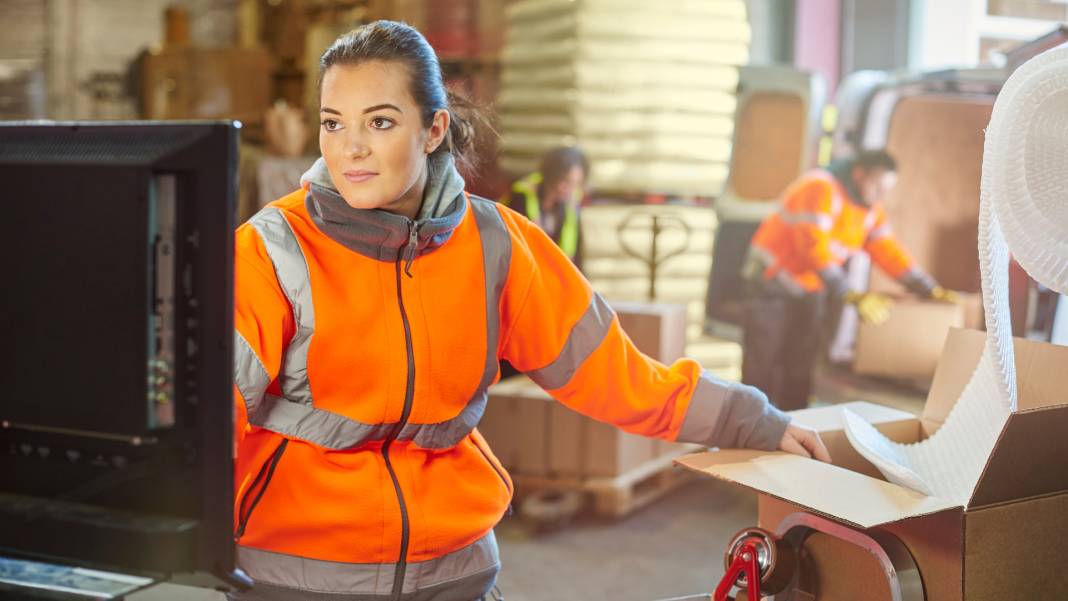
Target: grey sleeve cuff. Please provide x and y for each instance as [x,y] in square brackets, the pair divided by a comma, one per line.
[731,415]
[918,283]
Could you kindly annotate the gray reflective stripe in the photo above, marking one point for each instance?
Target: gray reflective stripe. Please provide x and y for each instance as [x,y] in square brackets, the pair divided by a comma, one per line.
[788,283]
[318,426]
[763,255]
[782,277]
[496,260]
[820,220]
[880,232]
[291,269]
[250,376]
[869,220]
[703,415]
[318,576]
[449,433]
[585,337]
[840,250]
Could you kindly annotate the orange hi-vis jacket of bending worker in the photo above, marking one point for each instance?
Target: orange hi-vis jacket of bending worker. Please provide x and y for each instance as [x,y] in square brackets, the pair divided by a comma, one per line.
[365,345]
[818,228]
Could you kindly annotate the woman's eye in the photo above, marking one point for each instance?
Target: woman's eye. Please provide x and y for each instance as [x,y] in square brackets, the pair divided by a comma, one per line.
[381,123]
[330,124]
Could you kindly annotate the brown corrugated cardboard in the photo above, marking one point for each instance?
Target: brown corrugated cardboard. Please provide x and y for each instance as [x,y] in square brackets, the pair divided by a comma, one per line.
[535,436]
[825,489]
[1015,551]
[1003,544]
[657,329]
[909,343]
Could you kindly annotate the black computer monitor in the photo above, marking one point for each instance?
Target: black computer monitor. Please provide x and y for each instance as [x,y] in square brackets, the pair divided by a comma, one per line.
[116,328]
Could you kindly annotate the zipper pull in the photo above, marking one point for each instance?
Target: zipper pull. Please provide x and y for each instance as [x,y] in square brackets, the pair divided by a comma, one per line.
[412,248]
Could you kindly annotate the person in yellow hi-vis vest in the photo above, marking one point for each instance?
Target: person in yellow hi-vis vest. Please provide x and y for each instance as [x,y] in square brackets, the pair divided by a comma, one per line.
[550,197]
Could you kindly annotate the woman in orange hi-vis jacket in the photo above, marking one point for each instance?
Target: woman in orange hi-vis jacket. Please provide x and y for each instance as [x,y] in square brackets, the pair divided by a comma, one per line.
[795,270]
[372,307]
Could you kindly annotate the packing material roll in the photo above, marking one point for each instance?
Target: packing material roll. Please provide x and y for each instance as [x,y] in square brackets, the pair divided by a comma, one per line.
[1022,211]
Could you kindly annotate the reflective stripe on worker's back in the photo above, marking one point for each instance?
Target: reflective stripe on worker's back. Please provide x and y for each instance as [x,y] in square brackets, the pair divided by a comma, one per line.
[308,577]
[292,416]
[291,269]
[585,337]
[820,220]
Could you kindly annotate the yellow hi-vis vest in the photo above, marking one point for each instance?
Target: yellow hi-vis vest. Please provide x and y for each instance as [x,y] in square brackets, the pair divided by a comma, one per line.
[569,231]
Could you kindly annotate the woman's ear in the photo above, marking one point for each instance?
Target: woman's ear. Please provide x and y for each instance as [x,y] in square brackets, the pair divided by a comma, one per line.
[438,128]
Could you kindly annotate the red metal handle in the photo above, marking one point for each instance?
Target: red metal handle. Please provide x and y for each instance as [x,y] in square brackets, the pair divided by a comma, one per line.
[744,561]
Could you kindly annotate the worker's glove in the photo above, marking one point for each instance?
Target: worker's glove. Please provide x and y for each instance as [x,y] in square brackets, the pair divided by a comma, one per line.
[873,308]
[943,295]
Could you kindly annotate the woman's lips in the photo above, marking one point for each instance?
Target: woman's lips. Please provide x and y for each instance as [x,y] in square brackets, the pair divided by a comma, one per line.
[359,175]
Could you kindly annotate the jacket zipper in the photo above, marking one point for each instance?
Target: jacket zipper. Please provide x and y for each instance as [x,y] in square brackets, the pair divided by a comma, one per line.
[407,255]
[500,474]
[266,473]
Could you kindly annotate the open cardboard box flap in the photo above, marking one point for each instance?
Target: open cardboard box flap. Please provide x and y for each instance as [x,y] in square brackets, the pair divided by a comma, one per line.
[1030,458]
[825,489]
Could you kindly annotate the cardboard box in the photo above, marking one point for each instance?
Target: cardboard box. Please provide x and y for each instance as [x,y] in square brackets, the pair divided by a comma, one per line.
[1004,543]
[909,343]
[207,83]
[534,435]
[657,329]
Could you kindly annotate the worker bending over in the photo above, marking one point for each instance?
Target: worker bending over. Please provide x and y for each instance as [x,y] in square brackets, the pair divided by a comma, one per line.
[796,264]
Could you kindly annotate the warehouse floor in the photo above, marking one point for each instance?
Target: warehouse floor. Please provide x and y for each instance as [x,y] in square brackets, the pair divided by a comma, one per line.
[671,548]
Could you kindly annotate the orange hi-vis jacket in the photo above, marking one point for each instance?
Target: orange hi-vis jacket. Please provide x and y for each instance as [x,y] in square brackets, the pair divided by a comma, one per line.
[818,228]
[366,343]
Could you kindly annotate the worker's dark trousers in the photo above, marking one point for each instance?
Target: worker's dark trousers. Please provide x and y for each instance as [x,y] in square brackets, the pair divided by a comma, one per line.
[783,341]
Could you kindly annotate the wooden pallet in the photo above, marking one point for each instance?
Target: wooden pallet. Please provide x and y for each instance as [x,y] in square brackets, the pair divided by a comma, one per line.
[616,496]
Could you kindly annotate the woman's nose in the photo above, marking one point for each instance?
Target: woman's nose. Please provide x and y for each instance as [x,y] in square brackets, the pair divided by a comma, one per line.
[356,147]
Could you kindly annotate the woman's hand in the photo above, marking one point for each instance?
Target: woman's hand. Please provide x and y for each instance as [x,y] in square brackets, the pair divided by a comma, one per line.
[805,442]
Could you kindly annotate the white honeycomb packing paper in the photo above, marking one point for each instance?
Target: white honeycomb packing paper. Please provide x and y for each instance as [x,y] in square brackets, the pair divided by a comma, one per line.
[1023,210]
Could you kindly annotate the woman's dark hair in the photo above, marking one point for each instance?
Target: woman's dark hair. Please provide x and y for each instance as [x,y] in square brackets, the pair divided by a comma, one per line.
[401,43]
[869,160]
[558,162]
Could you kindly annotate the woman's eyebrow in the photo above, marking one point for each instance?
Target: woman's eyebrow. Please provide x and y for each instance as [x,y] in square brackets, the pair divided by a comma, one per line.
[327,109]
[377,107]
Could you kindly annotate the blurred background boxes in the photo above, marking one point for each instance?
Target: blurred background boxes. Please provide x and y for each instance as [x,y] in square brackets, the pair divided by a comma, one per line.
[909,344]
[207,83]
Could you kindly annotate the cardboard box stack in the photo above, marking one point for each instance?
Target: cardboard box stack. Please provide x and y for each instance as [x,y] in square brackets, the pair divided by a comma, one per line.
[1003,543]
[533,435]
[647,89]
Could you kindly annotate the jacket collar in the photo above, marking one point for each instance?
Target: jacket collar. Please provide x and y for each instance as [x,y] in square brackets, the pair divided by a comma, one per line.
[382,235]
[842,170]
